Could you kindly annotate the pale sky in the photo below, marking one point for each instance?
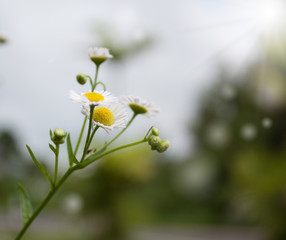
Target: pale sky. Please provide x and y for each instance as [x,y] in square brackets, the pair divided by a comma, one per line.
[48,42]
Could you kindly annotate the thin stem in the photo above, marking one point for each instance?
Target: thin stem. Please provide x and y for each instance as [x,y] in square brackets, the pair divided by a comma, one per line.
[95,79]
[122,131]
[91,136]
[90,80]
[80,136]
[44,202]
[103,85]
[88,133]
[56,163]
[117,136]
[84,164]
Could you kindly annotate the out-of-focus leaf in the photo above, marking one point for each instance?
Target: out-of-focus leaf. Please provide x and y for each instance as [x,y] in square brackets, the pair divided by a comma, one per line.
[43,170]
[72,158]
[53,148]
[26,205]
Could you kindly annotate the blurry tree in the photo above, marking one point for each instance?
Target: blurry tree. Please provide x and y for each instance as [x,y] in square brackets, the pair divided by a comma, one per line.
[10,161]
[240,136]
[112,193]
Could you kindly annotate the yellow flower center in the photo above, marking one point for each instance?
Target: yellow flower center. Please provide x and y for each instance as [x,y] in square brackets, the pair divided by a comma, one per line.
[94,97]
[137,108]
[103,115]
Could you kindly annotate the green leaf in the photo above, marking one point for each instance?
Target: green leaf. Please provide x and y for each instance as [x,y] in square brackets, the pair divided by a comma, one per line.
[51,133]
[26,205]
[72,158]
[43,170]
[53,148]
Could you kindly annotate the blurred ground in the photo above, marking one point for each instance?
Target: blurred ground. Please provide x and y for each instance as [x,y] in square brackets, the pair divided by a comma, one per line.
[55,227]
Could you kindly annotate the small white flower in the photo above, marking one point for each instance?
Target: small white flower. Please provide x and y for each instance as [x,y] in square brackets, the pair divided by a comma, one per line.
[139,106]
[92,98]
[109,118]
[99,52]
[99,55]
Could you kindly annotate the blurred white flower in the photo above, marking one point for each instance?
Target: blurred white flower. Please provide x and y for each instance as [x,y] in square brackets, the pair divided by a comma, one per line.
[218,135]
[99,55]
[139,106]
[73,204]
[266,122]
[248,131]
[99,52]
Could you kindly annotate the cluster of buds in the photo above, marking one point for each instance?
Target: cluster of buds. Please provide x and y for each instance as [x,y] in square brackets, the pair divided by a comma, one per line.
[58,137]
[155,141]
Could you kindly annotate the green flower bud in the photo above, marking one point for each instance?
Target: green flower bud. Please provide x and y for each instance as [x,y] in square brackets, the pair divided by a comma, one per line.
[153,147]
[154,141]
[81,78]
[163,146]
[155,131]
[59,133]
[59,136]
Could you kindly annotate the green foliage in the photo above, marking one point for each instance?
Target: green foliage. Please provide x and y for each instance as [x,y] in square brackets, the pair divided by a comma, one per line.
[247,156]
[26,205]
[72,158]
[39,165]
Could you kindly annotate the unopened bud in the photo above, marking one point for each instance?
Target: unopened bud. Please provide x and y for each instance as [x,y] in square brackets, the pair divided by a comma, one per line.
[59,136]
[155,131]
[59,133]
[154,141]
[163,146]
[81,78]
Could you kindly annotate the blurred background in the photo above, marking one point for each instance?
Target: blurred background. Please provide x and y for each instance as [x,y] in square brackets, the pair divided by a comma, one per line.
[216,69]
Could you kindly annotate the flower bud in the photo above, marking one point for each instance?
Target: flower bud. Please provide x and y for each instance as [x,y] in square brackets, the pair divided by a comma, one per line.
[163,146]
[59,133]
[155,131]
[81,78]
[154,141]
[59,136]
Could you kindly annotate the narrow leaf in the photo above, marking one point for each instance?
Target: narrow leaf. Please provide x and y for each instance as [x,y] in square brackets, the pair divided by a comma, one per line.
[43,170]
[26,205]
[53,148]
[72,158]
[51,133]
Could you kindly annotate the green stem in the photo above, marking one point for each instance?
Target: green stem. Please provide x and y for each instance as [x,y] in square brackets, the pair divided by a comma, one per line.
[56,163]
[88,133]
[84,164]
[91,136]
[45,201]
[103,85]
[117,136]
[123,130]
[90,81]
[80,136]
[95,79]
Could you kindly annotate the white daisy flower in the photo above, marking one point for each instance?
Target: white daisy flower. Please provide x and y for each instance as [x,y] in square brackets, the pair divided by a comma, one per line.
[92,98]
[99,55]
[109,118]
[139,106]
